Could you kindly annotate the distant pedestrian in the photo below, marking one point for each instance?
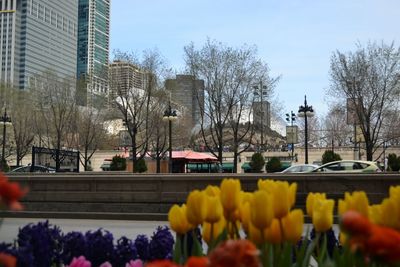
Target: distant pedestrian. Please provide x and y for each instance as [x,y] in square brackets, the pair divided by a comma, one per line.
[385,163]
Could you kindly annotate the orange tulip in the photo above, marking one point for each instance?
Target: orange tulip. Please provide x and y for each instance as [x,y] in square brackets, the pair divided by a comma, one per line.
[235,253]
[7,260]
[11,193]
[197,262]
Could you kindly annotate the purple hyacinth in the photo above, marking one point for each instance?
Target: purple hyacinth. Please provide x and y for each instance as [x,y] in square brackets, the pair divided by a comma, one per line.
[73,246]
[43,241]
[142,247]
[99,247]
[161,244]
[125,251]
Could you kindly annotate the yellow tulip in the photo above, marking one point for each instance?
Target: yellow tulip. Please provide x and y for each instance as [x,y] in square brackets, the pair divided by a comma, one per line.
[255,235]
[218,227]
[322,217]
[212,190]
[390,213]
[196,208]
[213,209]
[293,225]
[230,196]
[284,195]
[262,211]
[394,192]
[311,198]
[357,201]
[273,234]
[177,219]
[375,214]
[245,213]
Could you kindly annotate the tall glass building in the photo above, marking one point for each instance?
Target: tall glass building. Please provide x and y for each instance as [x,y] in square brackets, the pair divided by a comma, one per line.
[93,46]
[37,36]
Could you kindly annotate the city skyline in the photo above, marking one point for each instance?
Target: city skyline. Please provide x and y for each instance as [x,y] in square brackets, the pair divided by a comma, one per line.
[295,38]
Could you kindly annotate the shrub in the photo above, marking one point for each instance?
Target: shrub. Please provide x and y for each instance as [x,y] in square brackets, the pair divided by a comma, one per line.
[118,163]
[140,166]
[257,162]
[330,156]
[273,165]
[394,162]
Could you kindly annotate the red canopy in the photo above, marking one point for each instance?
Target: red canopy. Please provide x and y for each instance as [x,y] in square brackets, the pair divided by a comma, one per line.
[190,155]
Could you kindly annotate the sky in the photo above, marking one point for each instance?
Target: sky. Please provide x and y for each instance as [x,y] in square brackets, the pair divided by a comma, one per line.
[296,38]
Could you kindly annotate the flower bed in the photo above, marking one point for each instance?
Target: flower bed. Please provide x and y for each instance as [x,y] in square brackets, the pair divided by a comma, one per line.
[240,228]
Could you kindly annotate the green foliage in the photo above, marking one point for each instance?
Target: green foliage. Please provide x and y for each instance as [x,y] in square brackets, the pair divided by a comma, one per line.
[394,162]
[257,162]
[330,156]
[118,163]
[273,165]
[140,166]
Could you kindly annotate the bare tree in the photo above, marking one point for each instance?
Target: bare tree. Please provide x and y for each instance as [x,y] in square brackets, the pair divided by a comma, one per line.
[135,103]
[22,123]
[90,133]
[229,75]
[55,103]
[336,131]
[368,79]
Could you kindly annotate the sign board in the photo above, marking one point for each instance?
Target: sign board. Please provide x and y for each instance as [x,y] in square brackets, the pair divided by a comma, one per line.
[292,134]
[124,138]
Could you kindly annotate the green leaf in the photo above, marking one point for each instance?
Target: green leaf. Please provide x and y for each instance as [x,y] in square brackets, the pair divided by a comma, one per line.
[178,249]
[197,250]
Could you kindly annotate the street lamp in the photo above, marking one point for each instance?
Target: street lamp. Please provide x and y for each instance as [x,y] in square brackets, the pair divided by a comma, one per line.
[290,118]
[260,91]
[5,120]
[170,116]
[306,111]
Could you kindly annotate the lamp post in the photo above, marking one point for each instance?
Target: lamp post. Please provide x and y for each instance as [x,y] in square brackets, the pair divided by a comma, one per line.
[5,119]
[259,91]
[170,116]
[290,118]
[306,111]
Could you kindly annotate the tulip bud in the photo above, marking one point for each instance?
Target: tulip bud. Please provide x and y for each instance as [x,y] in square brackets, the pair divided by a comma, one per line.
[195,207]
[177,219]
[262,211]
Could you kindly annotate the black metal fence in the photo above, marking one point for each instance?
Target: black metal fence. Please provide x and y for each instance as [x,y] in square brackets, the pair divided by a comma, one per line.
[60,160]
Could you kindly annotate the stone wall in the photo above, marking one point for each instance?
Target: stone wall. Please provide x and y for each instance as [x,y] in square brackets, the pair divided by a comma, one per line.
[127,196]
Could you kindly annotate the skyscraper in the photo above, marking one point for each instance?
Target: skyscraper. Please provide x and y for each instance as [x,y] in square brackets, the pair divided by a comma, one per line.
[36,36]
[188,92]
[93,46]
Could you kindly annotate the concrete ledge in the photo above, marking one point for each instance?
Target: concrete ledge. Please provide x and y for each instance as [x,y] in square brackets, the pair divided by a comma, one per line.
[86,215]
[126,196]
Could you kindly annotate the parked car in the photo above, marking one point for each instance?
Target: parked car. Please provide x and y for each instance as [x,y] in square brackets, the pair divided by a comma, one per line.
[106,165]
[300,168]
[349,166]
[36,168]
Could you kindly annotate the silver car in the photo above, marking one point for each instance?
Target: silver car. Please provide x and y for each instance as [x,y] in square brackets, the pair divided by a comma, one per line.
[300,168]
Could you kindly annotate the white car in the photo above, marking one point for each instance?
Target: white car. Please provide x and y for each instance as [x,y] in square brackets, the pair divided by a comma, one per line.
[300,168]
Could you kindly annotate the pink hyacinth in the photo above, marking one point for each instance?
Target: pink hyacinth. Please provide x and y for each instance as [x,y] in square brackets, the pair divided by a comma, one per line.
[106,264]
[80,262]
[134,263]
